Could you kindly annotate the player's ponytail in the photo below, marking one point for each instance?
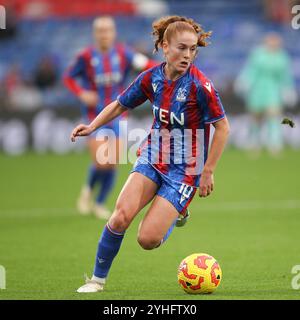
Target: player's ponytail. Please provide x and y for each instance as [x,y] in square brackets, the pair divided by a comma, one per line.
[165,27]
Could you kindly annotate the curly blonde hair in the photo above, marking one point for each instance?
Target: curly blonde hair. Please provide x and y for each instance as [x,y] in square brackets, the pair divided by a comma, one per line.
[165,27]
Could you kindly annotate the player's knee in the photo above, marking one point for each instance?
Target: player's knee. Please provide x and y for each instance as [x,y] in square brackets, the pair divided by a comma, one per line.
[119,220]
[147,242]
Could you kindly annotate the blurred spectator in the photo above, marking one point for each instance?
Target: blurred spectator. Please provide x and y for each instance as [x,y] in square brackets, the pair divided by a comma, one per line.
[267,84]
[46,74]
[12,78]
[24,96]
[279,10]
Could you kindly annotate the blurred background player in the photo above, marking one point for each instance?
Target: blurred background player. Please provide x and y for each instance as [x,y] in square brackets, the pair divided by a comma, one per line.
[267,85]
[102,69]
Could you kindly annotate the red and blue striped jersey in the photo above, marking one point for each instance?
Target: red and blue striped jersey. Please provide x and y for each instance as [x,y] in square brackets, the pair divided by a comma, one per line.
[104,73]
[183,110]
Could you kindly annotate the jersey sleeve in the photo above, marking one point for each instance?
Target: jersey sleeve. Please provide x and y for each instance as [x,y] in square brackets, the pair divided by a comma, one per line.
[76,69]
[138,92]
[209,98]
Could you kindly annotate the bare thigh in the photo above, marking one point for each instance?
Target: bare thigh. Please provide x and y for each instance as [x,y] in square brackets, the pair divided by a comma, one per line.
[137,192]
[157,221]
[105,153]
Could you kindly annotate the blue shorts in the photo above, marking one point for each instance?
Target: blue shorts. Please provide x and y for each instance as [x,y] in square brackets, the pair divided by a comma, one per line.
[178,194]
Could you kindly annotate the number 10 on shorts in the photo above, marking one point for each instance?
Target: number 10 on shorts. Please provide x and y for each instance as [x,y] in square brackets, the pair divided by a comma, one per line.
[185,191]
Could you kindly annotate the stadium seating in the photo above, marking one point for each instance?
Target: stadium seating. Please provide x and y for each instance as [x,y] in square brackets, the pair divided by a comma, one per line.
[238,27]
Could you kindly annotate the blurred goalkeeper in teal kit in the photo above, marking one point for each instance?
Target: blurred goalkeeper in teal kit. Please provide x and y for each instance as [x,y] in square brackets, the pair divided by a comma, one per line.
[267,85]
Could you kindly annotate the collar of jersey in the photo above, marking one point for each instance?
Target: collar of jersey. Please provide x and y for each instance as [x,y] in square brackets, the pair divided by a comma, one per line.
[172,81]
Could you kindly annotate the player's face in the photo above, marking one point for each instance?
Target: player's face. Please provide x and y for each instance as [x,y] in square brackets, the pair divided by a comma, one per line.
[104,33]
[273,42]
[181,51]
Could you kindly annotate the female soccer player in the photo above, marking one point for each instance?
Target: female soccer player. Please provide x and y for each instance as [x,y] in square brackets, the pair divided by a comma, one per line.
[102,70]
[185,101]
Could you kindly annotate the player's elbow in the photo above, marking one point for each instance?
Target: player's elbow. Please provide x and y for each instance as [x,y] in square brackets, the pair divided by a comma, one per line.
[223,126]
[226,128]
[120,109]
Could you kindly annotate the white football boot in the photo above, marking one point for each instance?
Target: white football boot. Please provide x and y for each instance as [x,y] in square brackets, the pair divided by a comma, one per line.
[101,212]
[91,286]
[84,202]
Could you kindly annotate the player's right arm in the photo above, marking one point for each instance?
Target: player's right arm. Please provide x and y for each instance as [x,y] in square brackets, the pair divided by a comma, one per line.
[109,113]
[77,70]
[136,94]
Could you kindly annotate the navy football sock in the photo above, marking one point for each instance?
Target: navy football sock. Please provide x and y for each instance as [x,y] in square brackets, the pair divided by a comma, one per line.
[92,176]
[107,183]
[108,247]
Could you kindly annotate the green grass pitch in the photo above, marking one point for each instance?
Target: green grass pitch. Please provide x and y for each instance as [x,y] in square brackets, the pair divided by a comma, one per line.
[250,224]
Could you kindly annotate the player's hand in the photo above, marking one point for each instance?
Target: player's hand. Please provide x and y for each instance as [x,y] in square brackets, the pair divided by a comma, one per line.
[80,131]
[206,186]
[89,97]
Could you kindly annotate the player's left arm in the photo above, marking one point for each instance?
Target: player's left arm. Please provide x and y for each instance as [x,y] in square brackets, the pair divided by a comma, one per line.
[217,147]
[214,114]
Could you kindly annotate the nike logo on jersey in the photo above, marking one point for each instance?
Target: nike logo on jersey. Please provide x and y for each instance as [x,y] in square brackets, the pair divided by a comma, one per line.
[154,86]
[208,86]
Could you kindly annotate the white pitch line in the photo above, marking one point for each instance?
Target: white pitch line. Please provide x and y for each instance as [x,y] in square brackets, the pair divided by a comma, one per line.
[218,206]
